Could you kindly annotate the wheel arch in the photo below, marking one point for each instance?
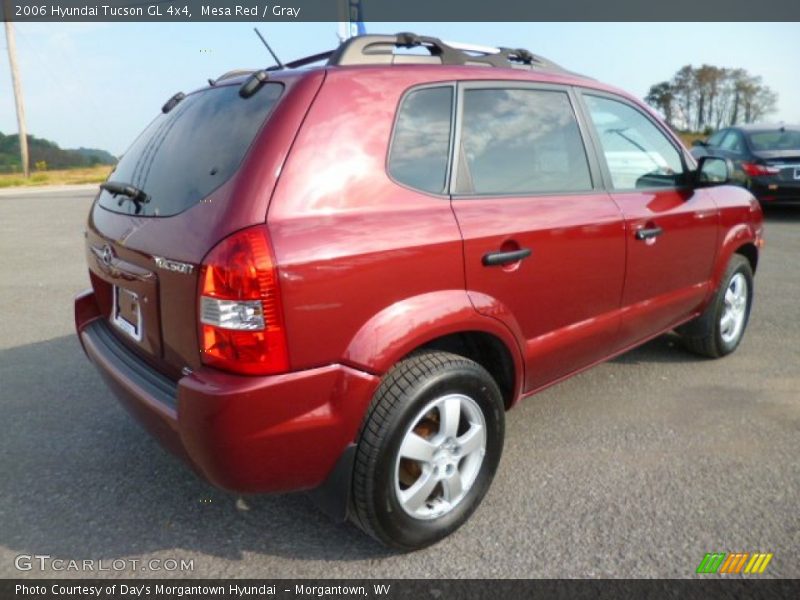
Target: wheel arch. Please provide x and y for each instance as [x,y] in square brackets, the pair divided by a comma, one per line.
[487,350]
[741,239]
[443,320]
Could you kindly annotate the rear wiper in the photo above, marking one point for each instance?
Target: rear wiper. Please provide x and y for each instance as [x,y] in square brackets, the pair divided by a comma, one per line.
[127,191]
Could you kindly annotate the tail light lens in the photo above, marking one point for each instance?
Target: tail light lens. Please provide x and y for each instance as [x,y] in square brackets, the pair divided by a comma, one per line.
[756,170]
[241,318]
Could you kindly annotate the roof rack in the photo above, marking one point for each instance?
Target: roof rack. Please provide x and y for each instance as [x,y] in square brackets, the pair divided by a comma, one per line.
[380,50]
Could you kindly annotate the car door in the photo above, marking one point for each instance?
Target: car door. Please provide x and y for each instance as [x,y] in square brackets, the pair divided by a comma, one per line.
[544,246]
[671,228]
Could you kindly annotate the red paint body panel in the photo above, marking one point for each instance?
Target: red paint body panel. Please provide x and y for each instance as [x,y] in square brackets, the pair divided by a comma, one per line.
[350,242]
[249,434]
[370,270]
[741,224]
[411,323]
[667,277]
[578,251]
[270,434]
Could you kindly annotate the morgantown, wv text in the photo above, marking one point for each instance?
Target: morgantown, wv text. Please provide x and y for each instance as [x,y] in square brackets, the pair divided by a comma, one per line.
[169,591]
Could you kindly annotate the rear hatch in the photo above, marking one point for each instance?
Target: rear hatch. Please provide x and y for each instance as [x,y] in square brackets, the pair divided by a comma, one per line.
[204,169]
[778,148]
[788,161]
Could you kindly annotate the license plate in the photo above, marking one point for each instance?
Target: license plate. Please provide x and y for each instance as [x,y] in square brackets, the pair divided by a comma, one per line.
[126,313]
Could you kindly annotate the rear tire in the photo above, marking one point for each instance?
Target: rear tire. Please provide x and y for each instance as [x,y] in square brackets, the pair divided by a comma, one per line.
[719,330]
[428,450]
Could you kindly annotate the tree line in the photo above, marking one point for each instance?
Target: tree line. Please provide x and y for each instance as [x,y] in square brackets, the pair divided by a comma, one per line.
[709,97]
[48,155]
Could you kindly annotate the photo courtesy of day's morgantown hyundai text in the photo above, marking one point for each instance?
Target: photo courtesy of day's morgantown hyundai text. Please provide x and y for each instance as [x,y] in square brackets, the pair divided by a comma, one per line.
[339,275]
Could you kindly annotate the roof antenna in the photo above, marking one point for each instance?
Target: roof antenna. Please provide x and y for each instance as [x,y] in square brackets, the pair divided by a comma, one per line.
[277,60]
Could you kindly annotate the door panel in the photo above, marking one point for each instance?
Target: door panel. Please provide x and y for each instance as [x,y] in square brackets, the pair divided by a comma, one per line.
[671,229]
[565,296]
[538,237]
[667,276]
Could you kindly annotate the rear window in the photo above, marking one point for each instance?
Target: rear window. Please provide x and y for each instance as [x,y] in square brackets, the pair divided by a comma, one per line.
[187,153]
[775,140]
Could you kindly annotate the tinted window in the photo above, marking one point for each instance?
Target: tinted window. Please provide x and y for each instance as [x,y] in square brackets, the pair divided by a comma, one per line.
[421,144]
[781,139]
[732,142]
[715,139]
[521,142]
[638,154]
[185,154]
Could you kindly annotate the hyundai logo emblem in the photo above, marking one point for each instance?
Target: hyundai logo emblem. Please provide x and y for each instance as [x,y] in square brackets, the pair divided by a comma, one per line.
[107,255]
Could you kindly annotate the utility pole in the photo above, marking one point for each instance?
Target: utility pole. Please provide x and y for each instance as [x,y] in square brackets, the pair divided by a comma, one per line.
[17,84]
[352,24]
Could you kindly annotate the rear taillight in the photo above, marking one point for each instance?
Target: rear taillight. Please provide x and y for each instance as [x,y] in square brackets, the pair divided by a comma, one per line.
[241,320]
[756,170]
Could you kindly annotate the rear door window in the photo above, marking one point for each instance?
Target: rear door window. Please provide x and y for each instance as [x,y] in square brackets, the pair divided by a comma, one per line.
[520,142]
[732,143]
[186,154]
[421,145]
[715,139]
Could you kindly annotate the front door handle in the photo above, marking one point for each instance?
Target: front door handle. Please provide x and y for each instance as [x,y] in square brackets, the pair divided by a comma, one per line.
[493,259]
[648,233]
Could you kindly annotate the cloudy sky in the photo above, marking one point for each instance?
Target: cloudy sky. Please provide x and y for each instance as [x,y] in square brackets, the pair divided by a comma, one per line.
[98,84]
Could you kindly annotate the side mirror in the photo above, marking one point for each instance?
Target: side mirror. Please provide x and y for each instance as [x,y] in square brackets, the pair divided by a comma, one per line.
[699,142]
[713,170]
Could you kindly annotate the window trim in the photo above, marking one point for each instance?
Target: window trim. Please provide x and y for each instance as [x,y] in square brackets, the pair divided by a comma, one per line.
[445,193]
[582,92]
[594,167]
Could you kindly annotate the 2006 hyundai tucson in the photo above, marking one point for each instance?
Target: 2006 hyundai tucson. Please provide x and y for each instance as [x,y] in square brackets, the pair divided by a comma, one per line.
[341,277]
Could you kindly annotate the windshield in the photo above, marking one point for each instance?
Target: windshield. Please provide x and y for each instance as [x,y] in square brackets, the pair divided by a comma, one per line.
[187,153]
[779,139]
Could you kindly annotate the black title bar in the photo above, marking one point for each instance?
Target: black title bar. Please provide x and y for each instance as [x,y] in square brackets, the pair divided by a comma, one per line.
[400,10]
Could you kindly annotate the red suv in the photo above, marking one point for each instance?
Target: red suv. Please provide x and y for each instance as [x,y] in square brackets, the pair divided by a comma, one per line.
[339,278]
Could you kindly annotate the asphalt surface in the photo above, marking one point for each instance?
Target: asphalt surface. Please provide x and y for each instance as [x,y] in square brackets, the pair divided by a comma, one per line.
[635,468]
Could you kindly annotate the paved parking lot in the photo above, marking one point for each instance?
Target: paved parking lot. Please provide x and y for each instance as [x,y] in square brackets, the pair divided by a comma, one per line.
[637,467]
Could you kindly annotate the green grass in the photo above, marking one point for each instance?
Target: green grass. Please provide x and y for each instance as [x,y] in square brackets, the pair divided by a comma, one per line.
[688,137]
[61,177]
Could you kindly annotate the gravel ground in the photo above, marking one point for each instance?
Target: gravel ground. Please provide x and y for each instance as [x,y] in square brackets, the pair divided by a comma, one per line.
[635,468]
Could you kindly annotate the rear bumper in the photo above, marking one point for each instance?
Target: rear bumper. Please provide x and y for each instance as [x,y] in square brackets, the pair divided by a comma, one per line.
[248,434]
[775,191]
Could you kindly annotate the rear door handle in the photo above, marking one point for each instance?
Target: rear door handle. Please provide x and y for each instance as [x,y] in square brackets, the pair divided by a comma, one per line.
[493,259]
[648,233]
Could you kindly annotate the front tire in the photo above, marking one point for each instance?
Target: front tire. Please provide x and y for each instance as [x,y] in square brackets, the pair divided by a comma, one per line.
[719,330]
[428,450]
